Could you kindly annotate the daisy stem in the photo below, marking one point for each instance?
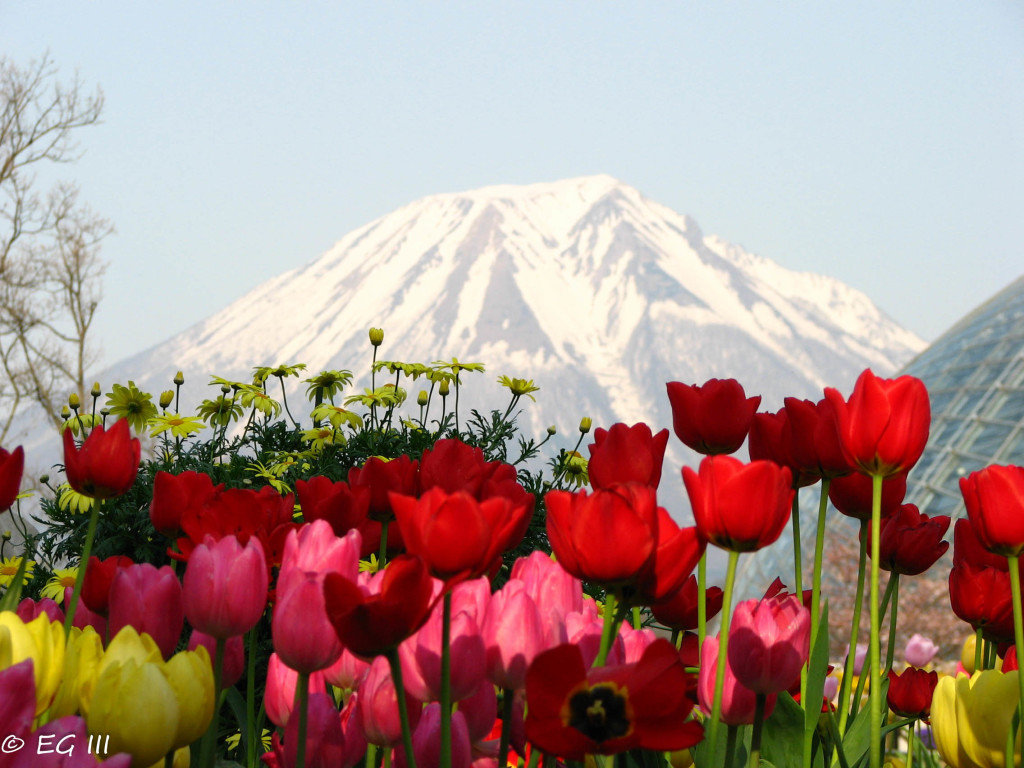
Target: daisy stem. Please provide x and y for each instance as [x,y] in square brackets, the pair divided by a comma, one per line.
[1018,626]
[403,713]
[844,693]
[446,682]
[83,563]
[723,649]
[874,701]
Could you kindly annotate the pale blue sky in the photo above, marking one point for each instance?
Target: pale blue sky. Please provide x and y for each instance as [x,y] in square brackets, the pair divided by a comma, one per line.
[879,142]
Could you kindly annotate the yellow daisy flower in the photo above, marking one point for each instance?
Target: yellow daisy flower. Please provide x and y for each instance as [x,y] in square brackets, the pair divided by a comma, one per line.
[519,387]
[9,569]
[70,499]
[236,738]
[179,426]
[62,579]
[327,384]
[132,404]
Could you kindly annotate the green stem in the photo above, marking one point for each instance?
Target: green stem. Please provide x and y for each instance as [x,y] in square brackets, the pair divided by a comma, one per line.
[302,696]
[1018,626]
[702,607]
[874,649]
[252,750]
[910,744]
[979,644]
[83,563]
[638,621]
[209,744]
[403,714]
[755,739]
[607,631]
[507,701]
[844,692]
[798,565]
[446,682]
[894,589]
[371,756]
[730,745]
[819,548]
[534,758]
[723,649]
[383,557]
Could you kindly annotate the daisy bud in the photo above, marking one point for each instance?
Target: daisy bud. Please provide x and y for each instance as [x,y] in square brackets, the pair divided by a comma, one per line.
[422,397]
[376,336]
[585,424]
[96,390]
[73,401]
[166,398]
[179,378]
[552,430]
[443,388]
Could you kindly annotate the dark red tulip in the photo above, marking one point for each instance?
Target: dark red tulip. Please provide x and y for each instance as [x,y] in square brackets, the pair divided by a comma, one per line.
[815,438]
[771,439]
[173,494]
[677,552]
[374,620]
[451,465]
[572,711]
[680,610]
[99,575]
[981,596]
[341,505]
[994,497]
[736,506]
[383,477]
[884,427]
[851,495]
[910,542]
[106,464]
[967,548]
[624,454]
[910,692]
[712,418]
[12,465]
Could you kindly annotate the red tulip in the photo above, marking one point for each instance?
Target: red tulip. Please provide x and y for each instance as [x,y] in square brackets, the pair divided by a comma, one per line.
[677,552]
[771,439]
[994,497]
[99,575]
[380,478]
[851,495]
[150,600]
[769,643]
[967,548]
[738,701]
[712,418]
[225,587]
[608,537]
[884,426]
[910,693]
[572,711]
[736,506]
[173,494]
[910,542]
[12,465]
[625,454]
[106,464]
[980,595]
[815,438]
[453,466]
[374,620]
[456,535]
[343,506]
[680,611]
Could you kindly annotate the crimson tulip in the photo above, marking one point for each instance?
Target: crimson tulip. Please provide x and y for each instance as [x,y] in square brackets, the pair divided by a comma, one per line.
[331,739]
[341,505]
[771,439]
[572,711]
[12,466]
[173,494]
[380,478]
[456,535]
[994,497]
[769,643]
[372,621]
[99,575]
[851,495]
[624,454]
[608,537]
[680,610]
[712,418]
[150,600]
[29,609]
[225,587]
[910,692]
[736,506]
[106,464]
[677,552]
[453,466]
[884,427]
[815,438]
[980,595]
[910,542]
[738,701]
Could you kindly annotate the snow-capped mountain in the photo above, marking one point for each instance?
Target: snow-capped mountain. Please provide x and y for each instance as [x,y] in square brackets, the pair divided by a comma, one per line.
[585,286]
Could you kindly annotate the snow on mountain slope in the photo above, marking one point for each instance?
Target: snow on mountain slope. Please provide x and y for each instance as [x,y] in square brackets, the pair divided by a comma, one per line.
[584,285]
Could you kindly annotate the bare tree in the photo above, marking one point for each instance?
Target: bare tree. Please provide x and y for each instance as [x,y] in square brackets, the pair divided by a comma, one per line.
[50,270]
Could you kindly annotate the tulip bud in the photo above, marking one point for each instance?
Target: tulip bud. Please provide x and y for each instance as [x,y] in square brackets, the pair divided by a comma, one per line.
[166,398]
[585,424]
[376,336]
[179,378]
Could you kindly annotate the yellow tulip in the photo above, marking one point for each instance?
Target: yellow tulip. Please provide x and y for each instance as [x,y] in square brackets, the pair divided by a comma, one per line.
[944,728]
[40,640]
[191,676]
[985,704]
[127,645]
[81,660]
[135,704]
[182,759]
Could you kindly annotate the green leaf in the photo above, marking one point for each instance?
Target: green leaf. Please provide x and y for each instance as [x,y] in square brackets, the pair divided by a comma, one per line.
[816,671]
[857,741]
[782,740]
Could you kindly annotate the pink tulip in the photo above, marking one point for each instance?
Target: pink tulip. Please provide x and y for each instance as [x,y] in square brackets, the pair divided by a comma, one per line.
[29,609]
[513,633]
[150,600]
[738,701]
[920,651]
[303,636]
[234,655]
[279,698]
[347,672]
[584,630]
[768,642]
[553,589]
[225,586]
[314,548]
[426,741]
[328,742]
[378,711]
[480,710]
[635,642]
